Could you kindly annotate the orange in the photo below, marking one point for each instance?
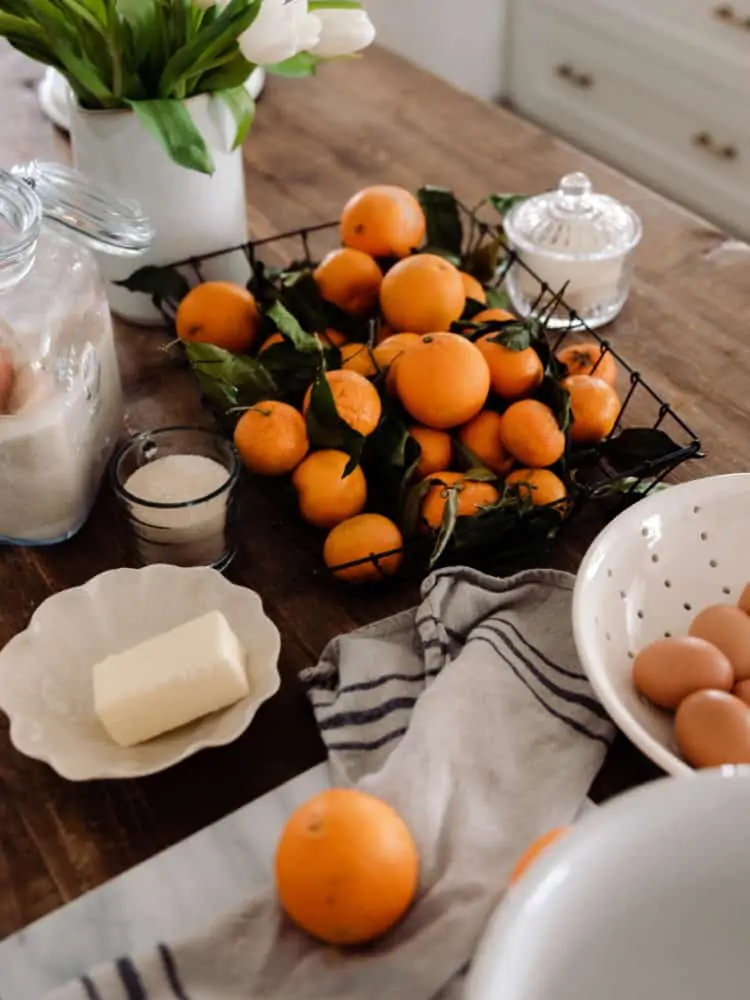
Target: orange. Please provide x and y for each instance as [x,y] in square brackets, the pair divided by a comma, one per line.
[271,438]
[275,338]
[595,408]
[537,847]
[493,316]
[472,496]
[219,313]
[473,288]
[357,401]
[582,359]
[327,497]
[541,486]
[437,449]
[512,373]
[346,867]
[422,293]
[332,338]
[482,437]
[358,358]
[349,279]
[388,353]
[384,221]
[531,434]
[443,381]
[364,537]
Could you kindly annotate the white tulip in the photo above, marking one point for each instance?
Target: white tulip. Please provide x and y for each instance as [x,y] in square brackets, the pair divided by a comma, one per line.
[343,31]
[281,30]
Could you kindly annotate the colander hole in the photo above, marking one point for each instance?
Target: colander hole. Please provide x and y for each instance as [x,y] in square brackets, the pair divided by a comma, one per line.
[667,635]
[704,536]
[622,594]
[687,607]
[645,532]
[726,590]
[696,510]
[607,636]
[712,563]
[667,583]
[640,614]
[654,558]
[609,573]
[631,654]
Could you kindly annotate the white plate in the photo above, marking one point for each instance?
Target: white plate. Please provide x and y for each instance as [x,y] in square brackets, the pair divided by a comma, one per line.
[45,671]
[54,94]
[646,899]
[648,574]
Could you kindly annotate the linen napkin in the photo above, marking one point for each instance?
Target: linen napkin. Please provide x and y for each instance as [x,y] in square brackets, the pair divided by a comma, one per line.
[472,717]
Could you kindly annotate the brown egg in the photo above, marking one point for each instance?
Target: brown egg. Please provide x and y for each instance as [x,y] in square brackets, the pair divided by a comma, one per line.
[728,628]
[668,670]
[744,601]
[713,728]
[741,690]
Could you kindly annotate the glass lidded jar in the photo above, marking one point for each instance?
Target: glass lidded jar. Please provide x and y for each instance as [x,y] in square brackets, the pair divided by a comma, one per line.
[575,242]
[60,394]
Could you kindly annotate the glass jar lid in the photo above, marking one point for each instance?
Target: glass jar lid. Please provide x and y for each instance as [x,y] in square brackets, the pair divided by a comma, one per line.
[573,223]
[91,212]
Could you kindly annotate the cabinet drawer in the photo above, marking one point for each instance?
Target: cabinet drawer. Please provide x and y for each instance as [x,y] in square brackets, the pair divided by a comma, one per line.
[605,94]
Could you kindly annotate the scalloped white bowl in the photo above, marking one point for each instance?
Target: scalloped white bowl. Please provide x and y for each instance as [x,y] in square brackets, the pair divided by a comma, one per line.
[45,671]
[647,575]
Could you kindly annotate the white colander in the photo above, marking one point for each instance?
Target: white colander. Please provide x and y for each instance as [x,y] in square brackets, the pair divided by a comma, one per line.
[646,576]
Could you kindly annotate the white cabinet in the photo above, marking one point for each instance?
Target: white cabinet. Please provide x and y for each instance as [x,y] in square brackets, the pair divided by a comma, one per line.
[660,88]
[459,40]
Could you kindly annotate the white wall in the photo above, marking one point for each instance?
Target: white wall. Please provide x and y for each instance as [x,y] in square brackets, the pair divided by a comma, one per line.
[460,40]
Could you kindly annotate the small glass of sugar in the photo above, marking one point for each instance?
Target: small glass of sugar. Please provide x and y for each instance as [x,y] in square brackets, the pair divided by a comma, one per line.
[177,486]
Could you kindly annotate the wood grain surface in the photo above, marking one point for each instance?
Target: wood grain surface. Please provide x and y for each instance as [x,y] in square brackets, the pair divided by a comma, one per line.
[314,143]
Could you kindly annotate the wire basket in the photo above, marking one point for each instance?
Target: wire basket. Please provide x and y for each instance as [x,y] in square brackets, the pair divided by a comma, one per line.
[648,442]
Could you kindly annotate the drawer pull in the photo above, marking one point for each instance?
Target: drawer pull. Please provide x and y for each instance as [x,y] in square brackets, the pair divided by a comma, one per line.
[725,12]
[567,72]
[704,140]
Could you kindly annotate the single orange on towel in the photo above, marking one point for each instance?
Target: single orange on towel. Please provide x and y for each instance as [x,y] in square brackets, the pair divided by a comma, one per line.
[346,867]
[533,851]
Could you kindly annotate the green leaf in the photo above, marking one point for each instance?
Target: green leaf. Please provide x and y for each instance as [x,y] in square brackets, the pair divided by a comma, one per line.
[326,428]
[230,380]
[232,74]
[502,203]
[287,324]
[485,260]
[163,284]
[441,211]
[637,446]
[447,525]
[314,5]
[169,122]
[242,106]
[411,509]
[514,336]
[301,65]
[498,298]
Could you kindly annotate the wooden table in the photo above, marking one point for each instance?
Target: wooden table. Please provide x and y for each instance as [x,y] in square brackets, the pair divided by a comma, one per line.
[315,143]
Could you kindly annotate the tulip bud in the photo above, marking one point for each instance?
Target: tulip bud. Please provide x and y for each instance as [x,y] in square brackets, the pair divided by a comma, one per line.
[343,31]
[281,30]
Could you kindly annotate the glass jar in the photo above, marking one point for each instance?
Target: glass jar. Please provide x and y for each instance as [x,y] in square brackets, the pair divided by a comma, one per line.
[575,242]
[60,395]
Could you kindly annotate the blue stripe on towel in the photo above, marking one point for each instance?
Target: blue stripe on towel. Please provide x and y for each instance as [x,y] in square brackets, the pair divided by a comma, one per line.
[573,723]
[574,675]
[366,715]
[131,981]
[170,971]
[584,700]
[376,682]
[368,745]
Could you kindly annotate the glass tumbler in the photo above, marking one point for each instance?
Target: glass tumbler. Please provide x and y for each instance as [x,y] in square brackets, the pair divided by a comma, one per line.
[178,490]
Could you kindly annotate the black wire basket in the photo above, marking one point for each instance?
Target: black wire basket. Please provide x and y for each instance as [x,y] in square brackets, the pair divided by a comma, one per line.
[647,443]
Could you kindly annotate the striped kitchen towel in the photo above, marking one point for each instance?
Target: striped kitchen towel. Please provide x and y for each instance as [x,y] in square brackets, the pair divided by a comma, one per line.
[471,716]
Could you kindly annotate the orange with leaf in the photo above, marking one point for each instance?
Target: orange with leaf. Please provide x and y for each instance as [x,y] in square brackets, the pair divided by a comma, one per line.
[271,438]
[349,279]
[326,495]
[595,407]
[221,314]
[589,359]
[356,400]
[471,496]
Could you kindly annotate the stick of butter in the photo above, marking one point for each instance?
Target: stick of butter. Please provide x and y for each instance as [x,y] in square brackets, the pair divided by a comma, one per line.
[170,680]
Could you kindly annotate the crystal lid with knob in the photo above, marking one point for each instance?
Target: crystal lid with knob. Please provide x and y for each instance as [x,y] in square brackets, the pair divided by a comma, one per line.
[573,223]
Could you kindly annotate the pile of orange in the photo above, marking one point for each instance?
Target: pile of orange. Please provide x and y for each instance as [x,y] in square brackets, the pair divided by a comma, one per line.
[470,401]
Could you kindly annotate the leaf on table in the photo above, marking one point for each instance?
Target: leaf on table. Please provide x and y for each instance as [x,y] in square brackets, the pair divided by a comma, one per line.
[165,285]
[637,446]
[230,380]
[447,525]
[444,229]
[326,428]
